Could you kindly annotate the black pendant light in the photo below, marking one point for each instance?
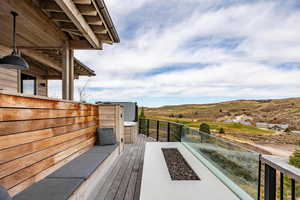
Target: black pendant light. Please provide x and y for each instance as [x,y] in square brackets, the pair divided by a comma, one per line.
[14,61]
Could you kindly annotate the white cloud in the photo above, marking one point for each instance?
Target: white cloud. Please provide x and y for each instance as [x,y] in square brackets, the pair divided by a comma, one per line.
[267,31]
[234,80]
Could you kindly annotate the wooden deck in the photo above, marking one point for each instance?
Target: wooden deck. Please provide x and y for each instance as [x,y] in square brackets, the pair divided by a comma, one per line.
[123,181]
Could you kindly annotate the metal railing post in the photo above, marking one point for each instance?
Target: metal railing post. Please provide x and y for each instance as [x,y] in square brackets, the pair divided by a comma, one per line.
[157,130]
[181,130]
[140,126]
[148,126]
[169,131]
[281,186]
[293,188]
[259,177]
[270,183]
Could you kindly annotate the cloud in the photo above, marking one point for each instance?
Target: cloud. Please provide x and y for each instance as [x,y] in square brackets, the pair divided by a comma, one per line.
[198,48]
[230,80]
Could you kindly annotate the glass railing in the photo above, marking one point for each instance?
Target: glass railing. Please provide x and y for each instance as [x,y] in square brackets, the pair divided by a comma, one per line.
[235,166]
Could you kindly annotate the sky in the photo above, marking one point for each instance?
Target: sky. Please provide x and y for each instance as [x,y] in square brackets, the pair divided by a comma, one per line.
[196,51]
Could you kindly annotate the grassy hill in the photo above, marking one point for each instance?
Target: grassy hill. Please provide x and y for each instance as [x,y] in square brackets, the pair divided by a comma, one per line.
[282,111]
[215,126]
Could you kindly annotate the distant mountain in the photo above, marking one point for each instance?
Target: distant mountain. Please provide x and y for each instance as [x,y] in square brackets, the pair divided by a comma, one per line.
[279,111]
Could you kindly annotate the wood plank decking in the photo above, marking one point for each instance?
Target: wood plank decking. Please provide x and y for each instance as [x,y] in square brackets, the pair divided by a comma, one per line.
[123,181]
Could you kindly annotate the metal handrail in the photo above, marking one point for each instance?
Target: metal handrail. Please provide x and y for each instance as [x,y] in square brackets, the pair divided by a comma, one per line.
[158,128]
[273,164]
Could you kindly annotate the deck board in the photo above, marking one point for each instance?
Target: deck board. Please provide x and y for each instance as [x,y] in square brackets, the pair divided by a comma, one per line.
[129,195]
[123,181]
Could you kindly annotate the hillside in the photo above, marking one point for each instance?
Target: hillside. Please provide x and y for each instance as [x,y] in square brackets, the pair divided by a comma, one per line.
[277,111]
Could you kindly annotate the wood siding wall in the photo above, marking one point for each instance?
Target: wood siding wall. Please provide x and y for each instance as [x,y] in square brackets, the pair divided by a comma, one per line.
[9,80]
[38,136]
[130,134]
[111,116]
[8,77]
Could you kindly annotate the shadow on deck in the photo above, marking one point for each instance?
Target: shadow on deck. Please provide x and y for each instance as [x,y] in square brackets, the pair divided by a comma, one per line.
[123,181]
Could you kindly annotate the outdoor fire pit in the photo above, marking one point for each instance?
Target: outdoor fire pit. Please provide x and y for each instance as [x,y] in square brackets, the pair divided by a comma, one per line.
[178,167]
[173,172]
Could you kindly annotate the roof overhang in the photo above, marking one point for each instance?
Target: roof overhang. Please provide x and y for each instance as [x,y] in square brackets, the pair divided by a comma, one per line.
[44,27]
[82,20]
[53,70]
[86,24]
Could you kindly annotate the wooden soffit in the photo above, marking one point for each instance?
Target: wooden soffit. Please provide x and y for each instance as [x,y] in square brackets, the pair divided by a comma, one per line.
[82,20]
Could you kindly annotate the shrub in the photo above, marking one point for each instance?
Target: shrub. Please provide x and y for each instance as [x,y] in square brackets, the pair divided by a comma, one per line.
[287,130]
[222,131]
[204,128]
[295,159]
[142,114]
[180,116]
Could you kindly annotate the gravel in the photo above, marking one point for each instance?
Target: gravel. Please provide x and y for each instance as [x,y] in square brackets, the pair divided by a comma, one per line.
[178,168]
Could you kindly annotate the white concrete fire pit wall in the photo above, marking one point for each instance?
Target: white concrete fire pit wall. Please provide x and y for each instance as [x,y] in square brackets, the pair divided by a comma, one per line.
[157,183]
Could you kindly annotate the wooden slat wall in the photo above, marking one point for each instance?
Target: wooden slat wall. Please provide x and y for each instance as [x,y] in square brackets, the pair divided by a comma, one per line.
[130,134]
[38,136]
[111,116]
[8,77]
[107,118]
[8,80]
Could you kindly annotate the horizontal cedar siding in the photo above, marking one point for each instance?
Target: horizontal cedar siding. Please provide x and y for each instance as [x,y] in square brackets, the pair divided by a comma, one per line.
[8,80]
[38,136]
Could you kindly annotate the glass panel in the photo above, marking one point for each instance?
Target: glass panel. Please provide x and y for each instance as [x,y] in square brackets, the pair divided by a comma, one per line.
[28,84]
[152,128]
[163,131]
[235,166]
[143,126]
[28,87]
[175,132]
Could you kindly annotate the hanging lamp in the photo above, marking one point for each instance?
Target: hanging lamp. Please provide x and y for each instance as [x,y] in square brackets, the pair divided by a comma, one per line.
[14,61]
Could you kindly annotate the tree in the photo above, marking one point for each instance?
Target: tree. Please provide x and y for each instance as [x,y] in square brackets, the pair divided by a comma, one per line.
[82,92]
[295,159]
[142,113]
[180,116]
[221,131]
[204,128]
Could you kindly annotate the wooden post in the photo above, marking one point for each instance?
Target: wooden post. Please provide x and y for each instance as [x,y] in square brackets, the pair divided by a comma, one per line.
[19,81]
[71,77]
[19,73]
[66,72]
[119,125]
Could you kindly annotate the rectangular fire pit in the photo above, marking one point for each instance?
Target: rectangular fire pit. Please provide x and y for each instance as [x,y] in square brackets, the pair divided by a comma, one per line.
[159,185]
[178,168]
